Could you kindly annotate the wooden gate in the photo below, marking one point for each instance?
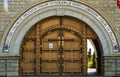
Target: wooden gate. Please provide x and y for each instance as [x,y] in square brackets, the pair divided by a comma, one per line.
[56,46]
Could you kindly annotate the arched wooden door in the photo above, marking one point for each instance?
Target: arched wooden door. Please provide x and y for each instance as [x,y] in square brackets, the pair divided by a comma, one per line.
[56,46]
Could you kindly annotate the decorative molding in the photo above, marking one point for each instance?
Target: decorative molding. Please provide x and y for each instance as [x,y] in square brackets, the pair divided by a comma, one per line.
[60,3]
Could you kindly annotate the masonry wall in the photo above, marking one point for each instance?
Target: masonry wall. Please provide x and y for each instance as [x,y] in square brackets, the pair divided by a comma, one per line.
[10,66]
[112,66]
[109,7]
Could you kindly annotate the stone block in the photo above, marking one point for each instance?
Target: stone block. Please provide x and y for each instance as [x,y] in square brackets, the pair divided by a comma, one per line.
[12,65]
[109,69]
[119,30]
[2,69]
[2,28]
[111,61]
[109,73]
[12,73]
[22,3]
[2,65]
[2,73]
[12,61]
[117,64]
[110,65]
[16,69]
[117,69]
[9,65]
[118,73]
[12,2]
[10,70]
[2,61]
[16,61]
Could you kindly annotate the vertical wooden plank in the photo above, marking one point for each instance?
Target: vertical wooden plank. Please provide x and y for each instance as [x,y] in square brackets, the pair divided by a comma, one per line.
[38,50]
[84,50]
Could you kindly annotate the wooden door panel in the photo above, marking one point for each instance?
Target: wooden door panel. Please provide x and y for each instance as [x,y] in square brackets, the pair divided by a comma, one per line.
[49,40]
[49,22]
[72,55]
[69,35]
[50,55]
[72,67]
[73,23]
[69,45]
[50,67]
[25,60]
[28,68]
[29,45]
[89,31]
[31,33]
[46,45]
[28,55]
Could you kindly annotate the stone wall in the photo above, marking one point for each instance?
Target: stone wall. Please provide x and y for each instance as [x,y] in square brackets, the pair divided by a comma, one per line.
[109,8]
[112,66]
[9,67]
[15,6]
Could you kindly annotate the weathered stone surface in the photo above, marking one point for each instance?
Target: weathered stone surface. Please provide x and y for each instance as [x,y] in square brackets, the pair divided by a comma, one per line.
[12,61]
[12,67]
[109,73]
[16,69]
[119,31]
[109,7]
[2,73]
[112,66]
[2,61]
[12,73]
[118,66]
[2,69]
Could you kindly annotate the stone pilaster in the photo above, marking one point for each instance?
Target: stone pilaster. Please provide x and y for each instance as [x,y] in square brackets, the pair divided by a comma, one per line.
[9,66]
[2,67]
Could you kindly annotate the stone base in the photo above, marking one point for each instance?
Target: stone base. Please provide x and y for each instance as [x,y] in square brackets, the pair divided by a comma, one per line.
[111,66]
[9,66]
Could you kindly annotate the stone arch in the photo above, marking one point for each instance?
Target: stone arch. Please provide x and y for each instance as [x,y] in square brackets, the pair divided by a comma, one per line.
[13,36]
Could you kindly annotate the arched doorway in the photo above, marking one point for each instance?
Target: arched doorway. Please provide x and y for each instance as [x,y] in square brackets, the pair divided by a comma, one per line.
[56,46]
[94,57]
